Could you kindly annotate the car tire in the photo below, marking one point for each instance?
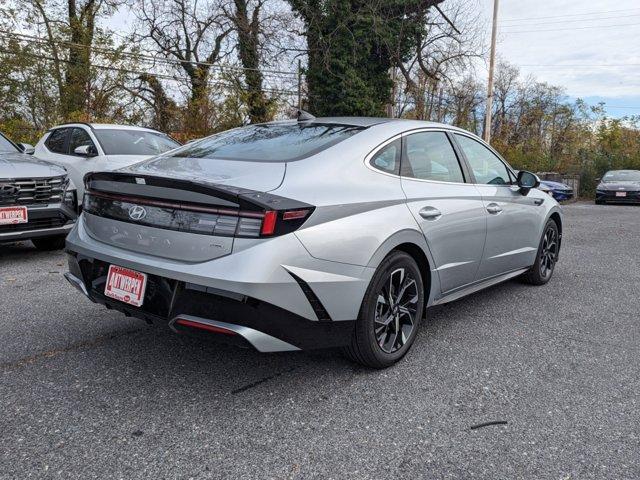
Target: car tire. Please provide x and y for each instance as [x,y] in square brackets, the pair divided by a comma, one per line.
[542,270]
[48,244]
[599,202]
[390,314]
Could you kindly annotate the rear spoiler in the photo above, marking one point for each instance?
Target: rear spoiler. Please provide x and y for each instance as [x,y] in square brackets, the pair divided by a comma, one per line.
[199,192]
[107,192]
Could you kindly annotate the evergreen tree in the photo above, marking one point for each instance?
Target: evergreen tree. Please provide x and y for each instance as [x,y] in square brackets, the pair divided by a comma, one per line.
[352,44]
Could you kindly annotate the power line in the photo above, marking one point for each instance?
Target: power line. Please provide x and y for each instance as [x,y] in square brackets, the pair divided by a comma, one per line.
[562,65]
[573,28]
[601,12]
[161,76]
[24,37]
[570,21]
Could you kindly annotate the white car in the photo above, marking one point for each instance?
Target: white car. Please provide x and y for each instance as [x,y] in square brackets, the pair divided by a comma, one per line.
[89,147]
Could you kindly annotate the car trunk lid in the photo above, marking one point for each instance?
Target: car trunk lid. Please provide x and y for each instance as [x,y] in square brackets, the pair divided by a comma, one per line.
[181,218]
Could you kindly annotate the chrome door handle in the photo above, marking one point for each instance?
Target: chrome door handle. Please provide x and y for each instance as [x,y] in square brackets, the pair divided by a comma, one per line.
[430,213]
[494,208]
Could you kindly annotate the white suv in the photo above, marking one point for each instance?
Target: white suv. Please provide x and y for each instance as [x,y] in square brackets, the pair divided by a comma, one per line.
[88,147]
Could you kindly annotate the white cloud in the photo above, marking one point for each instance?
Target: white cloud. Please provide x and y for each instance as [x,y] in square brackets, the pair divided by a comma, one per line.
[543,45]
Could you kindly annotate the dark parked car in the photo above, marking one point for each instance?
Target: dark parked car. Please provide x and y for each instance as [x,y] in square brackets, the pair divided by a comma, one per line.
[559,191]
[37,199]
[619,186]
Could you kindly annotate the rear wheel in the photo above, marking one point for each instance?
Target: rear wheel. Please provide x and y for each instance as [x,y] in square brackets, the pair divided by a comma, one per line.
[390,314]
[47,244]
[542,271]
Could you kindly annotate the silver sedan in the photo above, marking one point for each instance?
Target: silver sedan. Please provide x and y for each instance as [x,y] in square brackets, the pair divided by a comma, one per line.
[323,232]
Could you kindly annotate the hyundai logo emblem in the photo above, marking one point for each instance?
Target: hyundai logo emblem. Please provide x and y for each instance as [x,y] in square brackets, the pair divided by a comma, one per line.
[137,212]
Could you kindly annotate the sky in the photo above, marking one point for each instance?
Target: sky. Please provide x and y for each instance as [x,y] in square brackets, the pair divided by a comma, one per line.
[592,49]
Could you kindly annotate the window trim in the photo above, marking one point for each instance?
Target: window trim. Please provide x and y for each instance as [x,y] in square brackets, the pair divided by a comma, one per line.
[510,170]
[375,153]
[461,160]
[465,176]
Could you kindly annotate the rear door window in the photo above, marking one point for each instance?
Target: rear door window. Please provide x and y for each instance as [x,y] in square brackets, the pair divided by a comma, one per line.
[430,156]
[269,142]
[57,141]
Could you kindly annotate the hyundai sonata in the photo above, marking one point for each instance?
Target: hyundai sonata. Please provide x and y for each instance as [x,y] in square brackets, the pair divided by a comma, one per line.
[327,232]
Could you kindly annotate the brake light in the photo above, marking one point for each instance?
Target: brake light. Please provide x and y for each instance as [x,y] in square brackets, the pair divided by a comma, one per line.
[269,222]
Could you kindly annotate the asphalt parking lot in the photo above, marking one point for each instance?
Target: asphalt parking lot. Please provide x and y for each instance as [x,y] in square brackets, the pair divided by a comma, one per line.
[86,393]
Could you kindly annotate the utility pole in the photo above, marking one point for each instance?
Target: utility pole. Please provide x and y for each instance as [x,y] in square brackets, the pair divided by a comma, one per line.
[492,64]
[299,84]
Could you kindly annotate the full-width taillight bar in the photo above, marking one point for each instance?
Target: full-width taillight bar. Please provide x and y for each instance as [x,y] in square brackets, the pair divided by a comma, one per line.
[269,222]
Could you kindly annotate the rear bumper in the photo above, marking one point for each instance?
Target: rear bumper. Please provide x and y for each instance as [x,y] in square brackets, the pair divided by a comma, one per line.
[51,220]
[254,323]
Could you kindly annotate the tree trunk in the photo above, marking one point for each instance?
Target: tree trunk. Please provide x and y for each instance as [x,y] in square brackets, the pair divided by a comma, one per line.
[197,119]
[78,70]
[248,31]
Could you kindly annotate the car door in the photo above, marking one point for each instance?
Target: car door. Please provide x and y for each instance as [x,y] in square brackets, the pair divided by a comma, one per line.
[513,220]
[449,210]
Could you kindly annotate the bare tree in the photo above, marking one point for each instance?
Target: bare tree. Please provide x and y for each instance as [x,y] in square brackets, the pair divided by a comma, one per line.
[194,34]
[445,51]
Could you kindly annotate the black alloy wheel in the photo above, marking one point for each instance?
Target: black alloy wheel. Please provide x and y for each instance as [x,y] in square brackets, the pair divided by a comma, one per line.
[396,310]
[542,270]
[391,312]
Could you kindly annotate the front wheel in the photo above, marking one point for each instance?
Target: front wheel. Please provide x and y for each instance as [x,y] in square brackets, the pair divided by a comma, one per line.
[48,244]
[390,314]
[541,271]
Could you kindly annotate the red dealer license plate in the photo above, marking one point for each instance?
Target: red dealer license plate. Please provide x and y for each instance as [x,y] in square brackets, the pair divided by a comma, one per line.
[13,215]
[621,194]
[126,285]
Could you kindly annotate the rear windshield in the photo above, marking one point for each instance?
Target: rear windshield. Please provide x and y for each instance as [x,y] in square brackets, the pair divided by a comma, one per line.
[134,142]
[622,176]
[270,142]
[6,145]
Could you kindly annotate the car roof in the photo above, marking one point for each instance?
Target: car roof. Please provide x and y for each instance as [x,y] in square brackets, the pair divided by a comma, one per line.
[373,121]
[104,126]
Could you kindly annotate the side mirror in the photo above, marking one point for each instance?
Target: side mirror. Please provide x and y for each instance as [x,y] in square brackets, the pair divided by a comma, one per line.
[86,151]
[527,181]
[26,148]
[599,179]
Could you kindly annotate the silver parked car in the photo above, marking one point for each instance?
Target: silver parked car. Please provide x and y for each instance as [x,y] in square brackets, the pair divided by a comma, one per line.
[328,232]
[37,199]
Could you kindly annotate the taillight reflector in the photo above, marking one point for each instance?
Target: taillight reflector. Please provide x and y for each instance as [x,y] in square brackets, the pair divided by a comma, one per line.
[294,214]
[269,222]
[204,326]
